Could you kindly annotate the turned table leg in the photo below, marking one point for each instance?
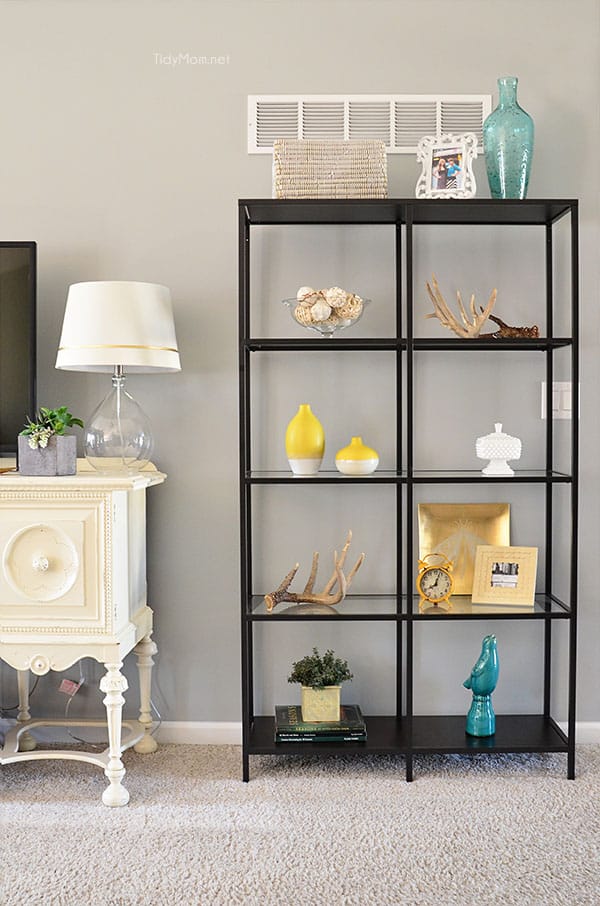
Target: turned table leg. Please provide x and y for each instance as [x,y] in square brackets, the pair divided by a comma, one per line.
[26,741]
[113,684]
[144,649]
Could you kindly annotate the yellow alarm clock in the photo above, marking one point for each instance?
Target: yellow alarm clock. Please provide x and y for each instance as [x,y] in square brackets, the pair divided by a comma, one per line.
[435,582]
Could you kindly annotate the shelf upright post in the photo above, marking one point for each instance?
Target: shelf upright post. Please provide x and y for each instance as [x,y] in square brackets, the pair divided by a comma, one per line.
[549,461]
[245,487]
[574,483]
[409,483]
[399,461]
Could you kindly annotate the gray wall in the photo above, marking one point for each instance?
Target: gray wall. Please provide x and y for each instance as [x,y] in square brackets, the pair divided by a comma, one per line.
[124,169]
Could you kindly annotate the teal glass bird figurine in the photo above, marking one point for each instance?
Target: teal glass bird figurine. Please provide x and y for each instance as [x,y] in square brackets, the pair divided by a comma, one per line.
[481,720]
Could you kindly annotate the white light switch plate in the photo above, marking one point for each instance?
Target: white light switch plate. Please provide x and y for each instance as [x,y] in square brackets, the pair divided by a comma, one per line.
[561,399]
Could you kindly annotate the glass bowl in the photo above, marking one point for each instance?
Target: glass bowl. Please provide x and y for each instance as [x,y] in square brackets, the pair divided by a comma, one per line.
[331,325]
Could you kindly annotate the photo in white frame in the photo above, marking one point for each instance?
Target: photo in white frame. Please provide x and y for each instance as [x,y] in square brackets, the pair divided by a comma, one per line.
[447,166]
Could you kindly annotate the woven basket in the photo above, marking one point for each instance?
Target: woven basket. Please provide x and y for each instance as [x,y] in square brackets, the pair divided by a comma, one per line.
[327,169]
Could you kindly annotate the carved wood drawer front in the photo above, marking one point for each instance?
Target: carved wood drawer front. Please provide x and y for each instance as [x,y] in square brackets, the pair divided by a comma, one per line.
[55,564]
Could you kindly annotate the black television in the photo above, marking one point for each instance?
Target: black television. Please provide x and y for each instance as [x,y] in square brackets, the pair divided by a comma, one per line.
[18,265]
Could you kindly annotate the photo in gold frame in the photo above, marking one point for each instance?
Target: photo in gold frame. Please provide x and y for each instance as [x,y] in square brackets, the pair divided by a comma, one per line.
[456,530]
[505,575]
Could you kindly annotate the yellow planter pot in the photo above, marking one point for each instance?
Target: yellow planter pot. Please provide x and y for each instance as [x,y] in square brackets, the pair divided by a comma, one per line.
[305,442]
[321,704]
[356,458]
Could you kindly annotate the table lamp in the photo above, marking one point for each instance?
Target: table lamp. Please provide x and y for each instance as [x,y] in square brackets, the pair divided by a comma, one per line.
[112,326]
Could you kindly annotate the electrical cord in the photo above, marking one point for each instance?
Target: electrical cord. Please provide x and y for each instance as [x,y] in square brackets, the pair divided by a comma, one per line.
[102,746]
[98,745]
[159,724]
[3,710]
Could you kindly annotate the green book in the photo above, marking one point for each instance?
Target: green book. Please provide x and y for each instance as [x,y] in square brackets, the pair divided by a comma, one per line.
[288,719]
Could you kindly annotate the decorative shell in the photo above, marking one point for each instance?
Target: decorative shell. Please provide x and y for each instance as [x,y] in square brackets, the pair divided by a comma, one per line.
[303,316]
[306,295]
[320,311]
[336,296]
[351,309]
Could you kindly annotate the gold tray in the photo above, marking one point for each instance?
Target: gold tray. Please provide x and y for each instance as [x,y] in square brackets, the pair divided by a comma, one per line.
[456,529]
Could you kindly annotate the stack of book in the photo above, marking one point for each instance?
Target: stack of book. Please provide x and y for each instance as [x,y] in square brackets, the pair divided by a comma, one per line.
[289,726]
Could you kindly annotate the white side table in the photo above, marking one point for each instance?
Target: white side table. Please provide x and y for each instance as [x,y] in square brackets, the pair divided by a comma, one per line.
[73,585]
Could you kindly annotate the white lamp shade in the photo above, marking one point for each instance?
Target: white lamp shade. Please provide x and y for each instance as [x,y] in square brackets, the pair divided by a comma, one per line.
[114,322]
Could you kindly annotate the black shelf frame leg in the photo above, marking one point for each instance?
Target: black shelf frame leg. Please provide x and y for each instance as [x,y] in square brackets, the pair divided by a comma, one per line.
[399,491]
[245,489]
[574,489]
[409,487]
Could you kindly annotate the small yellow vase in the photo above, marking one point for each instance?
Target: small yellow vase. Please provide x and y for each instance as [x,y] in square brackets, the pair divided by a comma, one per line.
[356,458]
[305,442]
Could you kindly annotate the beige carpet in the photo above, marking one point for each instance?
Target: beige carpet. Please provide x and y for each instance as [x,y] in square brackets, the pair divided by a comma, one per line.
[504,830]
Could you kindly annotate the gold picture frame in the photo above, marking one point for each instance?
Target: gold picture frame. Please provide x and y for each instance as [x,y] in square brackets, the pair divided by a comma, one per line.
[456,530]
[505,575]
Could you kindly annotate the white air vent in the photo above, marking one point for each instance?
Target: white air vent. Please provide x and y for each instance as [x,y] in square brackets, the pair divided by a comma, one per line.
[459,116]
[399,120]
[277,120]
[322,120]
[370,119]
[413,120]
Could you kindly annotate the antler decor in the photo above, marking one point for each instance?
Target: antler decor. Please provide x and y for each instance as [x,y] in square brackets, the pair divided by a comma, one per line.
[327,596]
[507,332]
[444,315]
[471,328]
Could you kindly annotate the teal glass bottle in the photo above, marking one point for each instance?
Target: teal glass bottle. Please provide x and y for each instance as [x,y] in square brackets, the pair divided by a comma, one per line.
[508,143]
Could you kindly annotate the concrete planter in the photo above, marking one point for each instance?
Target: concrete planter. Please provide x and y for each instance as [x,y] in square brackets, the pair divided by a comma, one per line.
[58,458]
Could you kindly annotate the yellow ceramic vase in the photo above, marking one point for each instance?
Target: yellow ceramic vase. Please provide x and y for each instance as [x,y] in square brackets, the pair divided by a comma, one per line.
[356,458]
[305,442]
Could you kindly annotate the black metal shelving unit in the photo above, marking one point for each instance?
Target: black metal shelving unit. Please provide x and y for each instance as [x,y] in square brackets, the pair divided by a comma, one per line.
[405,732]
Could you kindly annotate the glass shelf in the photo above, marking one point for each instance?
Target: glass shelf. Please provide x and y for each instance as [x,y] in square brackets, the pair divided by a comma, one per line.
[424,476]
[353,607]
[316,343]
[380,476]
[385,607]
[479,343]
[463,609]
[434,476]
[350,343]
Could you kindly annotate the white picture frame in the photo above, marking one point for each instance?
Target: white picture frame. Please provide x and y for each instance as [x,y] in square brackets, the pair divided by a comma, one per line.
[447,162]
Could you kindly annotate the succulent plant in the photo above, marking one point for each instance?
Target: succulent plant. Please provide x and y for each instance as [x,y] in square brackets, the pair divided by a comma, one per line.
[47,423]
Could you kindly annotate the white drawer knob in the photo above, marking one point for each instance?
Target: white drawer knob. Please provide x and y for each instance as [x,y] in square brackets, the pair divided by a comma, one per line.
[41,564]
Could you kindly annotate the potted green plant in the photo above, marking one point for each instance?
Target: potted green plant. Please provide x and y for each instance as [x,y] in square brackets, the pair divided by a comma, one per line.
[320,679]
[43,446]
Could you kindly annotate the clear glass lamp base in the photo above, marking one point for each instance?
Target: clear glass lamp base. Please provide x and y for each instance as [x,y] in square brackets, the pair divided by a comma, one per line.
[118,437]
